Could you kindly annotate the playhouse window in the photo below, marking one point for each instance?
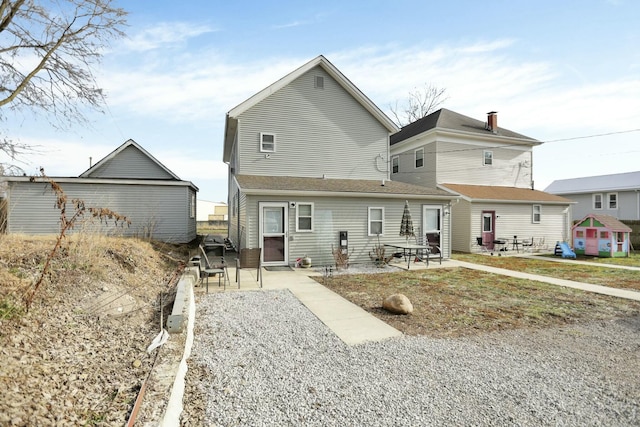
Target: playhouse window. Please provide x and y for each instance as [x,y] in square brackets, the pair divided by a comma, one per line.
[619,237]
[597,201]
[604,234]
[579,234]
[612,200]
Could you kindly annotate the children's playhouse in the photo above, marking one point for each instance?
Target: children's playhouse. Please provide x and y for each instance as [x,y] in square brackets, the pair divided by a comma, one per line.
[602,236]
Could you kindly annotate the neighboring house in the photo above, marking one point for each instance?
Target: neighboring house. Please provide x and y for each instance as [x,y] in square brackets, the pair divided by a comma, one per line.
[308,172]
[490,168]
[129,181]
[617,195]
[601,235]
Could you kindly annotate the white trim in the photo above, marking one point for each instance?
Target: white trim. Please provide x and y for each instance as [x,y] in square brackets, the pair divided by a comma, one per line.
[484,157]
[609,201]
[262,142]
[298,230]
[397,159]
[415,158]
[369,209]
[284,233]
[593,201]
[533,214]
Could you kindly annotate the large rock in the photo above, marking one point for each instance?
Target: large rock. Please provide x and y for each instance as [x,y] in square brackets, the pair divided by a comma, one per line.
[398,304]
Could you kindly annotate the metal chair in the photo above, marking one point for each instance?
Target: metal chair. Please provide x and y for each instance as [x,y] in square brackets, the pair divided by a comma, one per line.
[249,258]
[482,244]
[212,270]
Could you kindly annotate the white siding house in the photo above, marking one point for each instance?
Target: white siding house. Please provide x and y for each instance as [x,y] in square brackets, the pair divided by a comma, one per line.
[308,159]
[129,181]
[489,168]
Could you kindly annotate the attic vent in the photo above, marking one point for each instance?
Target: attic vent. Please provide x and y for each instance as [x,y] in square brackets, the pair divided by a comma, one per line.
[319,82]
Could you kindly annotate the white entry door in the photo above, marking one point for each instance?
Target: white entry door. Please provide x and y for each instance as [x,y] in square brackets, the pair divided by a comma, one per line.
[274,233]
[432,224]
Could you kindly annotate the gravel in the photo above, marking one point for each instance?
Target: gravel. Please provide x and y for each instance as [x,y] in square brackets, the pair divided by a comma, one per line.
[261,358]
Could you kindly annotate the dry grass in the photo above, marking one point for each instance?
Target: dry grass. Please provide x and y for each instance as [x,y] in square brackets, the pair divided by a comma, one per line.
[455,302]
[596,275]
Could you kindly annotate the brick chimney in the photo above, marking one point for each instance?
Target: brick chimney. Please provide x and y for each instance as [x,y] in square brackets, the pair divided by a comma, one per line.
[492,121]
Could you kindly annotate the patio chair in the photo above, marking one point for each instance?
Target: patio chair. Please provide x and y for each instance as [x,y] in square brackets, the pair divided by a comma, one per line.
[249,258]
[483,246]
[212,270]
[527,245]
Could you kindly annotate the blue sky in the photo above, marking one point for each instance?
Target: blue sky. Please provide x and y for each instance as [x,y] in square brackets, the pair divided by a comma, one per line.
[554,70]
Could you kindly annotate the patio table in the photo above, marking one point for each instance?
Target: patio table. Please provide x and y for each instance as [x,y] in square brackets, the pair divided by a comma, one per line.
[412,250]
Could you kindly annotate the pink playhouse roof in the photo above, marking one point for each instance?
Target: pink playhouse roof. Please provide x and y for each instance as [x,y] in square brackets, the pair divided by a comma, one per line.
[608,221]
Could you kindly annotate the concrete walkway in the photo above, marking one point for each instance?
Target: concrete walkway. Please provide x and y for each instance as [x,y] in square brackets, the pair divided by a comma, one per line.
[354,325]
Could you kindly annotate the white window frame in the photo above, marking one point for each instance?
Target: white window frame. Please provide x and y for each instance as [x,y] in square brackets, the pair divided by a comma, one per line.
[318,82]
[262,142]
[415,158]
[370,221]
[298,216]
[192,206]
[595,201]
[487,154]
[395,164]
[535,208]
[609,197]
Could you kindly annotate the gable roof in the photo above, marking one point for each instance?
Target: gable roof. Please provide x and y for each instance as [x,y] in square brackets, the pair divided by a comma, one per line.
[608,221]
[288,185]
[504,194]
[617,181]
[319,61]
[92,172]
[444,119]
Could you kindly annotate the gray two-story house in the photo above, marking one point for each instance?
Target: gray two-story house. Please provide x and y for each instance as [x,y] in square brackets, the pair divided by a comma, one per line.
[309,171]
[490,168]
[617,195]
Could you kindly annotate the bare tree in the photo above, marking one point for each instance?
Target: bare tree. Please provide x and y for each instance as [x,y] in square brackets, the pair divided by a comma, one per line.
[48,49]
[420,103]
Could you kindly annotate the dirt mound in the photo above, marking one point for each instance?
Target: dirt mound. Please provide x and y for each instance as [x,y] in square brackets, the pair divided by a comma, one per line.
[78,356]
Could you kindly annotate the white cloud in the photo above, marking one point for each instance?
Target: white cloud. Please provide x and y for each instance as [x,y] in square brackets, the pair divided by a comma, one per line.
[164,35]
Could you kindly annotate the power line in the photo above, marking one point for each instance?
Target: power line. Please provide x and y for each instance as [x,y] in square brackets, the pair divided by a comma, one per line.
[593,136]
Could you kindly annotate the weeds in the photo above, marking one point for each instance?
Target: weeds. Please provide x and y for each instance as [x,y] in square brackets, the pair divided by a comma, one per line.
[66,224]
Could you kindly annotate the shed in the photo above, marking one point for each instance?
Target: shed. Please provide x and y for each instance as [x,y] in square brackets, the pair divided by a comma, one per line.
[601,235]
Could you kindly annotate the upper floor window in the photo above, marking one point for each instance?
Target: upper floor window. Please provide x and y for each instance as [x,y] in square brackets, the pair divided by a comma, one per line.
[612,200]
[395,164]
[376,221]
[304,217]
[487,158]
[267,142]
[597,201]
[536,214]
[192,207]
[419,155]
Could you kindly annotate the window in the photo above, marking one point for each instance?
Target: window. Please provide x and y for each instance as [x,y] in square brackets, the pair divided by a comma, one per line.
[419,154]
[597,201]
[612,200]
[192,206]
[536,214]
[395,164]
[604,234]
[487,158]
[376,221]
[304,217]
[267,142]
[318,82]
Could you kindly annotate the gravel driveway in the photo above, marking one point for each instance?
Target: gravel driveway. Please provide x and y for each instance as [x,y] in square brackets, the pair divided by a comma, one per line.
[261,358]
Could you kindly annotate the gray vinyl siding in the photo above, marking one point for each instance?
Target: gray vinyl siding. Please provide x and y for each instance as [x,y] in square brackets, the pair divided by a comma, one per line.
[628,205]
[318,132]
[332,215]
[462,164]
[461,238]
[515,220]
[407,172]
[131,163]
[158,212]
